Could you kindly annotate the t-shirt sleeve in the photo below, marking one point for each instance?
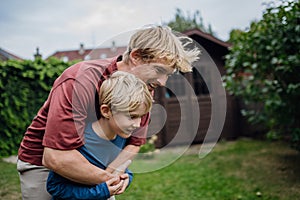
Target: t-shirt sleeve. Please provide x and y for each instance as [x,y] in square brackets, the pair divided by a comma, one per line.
[139,136]
[130,174]
[66,116]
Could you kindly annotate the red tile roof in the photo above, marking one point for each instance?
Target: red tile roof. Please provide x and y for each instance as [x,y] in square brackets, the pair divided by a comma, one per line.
[88,54]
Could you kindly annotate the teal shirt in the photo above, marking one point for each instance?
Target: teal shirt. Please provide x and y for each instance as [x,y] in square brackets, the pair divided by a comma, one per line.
[105,150]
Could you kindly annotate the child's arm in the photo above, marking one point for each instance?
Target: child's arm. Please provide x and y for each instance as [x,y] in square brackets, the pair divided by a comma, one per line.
[125,174]
[61,188]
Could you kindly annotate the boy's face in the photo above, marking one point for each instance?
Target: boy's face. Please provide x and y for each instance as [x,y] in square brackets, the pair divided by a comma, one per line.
[153,74]
[124,123]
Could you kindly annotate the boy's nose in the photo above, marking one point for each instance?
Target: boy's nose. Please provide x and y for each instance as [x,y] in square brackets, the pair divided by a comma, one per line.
[137,122]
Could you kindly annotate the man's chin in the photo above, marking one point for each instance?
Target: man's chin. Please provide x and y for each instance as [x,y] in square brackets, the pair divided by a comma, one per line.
[151,89]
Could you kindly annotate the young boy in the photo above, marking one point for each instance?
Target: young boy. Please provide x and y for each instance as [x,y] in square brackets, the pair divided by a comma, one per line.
[124,99]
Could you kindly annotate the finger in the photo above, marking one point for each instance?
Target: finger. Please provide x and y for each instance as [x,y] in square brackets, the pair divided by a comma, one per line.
[118,187]
[124,186]
[112,181]
[124,176]
[113,189]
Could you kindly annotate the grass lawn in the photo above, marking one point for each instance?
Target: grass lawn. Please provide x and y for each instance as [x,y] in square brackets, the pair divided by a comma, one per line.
[240,170]
[9,182]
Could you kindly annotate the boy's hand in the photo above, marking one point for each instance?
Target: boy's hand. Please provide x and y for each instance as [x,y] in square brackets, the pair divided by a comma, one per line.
[114,188]
[125,179]
[114,185]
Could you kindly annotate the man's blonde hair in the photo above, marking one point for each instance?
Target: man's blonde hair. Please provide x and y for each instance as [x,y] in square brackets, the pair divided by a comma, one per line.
[124,92]
[160,44]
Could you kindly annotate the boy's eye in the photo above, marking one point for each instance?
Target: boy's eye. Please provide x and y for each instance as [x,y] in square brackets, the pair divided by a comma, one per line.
[130,116]
[134,116]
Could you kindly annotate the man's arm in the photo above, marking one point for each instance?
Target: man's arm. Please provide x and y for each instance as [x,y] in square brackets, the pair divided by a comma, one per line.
[72,165]
[128,153]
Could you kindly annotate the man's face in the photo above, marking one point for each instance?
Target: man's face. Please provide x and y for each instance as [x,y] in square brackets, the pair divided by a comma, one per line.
[153,74]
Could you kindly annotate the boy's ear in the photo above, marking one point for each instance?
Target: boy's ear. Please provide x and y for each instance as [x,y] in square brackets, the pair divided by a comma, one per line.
[105,111]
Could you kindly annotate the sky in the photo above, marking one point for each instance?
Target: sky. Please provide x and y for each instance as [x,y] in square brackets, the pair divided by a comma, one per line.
[55,25]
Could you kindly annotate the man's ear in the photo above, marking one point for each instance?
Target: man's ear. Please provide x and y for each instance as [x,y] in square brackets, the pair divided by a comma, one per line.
[135,57]
[105,111]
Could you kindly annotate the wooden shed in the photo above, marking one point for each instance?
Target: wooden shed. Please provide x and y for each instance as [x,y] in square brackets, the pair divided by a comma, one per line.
[183,110]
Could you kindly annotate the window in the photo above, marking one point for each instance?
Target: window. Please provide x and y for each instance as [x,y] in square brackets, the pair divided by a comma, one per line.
[175,86]
[200,86]
[65,58]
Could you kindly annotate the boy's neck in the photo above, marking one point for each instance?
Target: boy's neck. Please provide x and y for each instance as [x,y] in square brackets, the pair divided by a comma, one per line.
[102,129]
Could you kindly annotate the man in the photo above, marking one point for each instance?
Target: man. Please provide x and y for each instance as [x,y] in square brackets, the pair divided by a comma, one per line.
[51,140]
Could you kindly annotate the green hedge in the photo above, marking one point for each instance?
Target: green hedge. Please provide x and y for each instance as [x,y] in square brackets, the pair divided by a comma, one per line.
[24,86]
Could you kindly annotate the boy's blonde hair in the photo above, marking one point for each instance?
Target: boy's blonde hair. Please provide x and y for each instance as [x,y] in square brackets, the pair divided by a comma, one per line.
[160,44]
[124,92]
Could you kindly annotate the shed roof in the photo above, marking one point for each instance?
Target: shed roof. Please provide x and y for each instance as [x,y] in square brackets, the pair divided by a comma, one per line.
[206,36]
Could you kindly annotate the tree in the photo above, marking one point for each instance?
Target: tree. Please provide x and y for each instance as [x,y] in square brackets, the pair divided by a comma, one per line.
[263,66]
[182,23]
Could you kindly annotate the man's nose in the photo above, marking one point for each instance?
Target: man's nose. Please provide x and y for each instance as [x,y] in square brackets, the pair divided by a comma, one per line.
[162,80]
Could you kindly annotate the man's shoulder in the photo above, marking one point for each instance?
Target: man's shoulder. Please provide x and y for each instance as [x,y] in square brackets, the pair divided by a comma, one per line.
[89,66]
[100,65]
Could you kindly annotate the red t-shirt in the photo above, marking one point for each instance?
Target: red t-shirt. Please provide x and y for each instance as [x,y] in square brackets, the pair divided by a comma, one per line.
[72,101]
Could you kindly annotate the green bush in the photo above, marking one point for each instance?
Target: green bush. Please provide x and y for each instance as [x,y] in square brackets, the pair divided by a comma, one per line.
[263,68]
[24,86]
[148,149]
